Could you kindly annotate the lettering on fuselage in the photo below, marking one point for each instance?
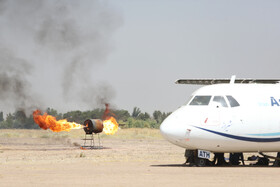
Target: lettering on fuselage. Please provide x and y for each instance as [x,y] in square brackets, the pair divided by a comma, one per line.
[274,102]
[203,154]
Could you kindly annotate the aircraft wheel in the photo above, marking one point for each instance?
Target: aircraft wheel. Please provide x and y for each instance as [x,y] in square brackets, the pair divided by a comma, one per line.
[201,162]
[263,161]
[277,162]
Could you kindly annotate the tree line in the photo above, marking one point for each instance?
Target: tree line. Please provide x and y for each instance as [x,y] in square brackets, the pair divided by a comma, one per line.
[136,119]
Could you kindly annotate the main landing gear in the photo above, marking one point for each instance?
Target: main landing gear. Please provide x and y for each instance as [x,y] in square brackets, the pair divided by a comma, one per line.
[193,159]
[265,159]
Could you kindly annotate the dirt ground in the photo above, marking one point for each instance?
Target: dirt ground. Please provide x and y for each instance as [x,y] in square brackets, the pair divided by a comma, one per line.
[48,161]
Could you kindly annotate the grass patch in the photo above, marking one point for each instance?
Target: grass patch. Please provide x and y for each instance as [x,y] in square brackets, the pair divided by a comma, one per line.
[82,155]
[76,144]
[135,133]
[131,133]
[45,136]
[39,133]
[10,134]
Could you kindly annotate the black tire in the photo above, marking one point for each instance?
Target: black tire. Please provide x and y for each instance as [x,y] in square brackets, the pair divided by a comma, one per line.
[201,162]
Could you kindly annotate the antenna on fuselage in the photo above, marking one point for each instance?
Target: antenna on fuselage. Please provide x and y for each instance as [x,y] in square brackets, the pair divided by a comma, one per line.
[232,79]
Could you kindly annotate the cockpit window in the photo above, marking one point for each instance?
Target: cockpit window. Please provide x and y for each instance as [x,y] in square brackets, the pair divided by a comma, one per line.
[221,100]
[200,100]
[232,101]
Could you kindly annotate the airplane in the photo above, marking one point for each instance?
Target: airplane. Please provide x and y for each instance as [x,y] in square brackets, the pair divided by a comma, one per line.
[226,116]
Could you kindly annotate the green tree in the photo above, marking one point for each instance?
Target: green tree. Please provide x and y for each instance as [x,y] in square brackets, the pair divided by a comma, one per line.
[75,116]
[154,124]
[121,114]
[136,111]
[21,121]
[1,117]
[139,124]
[144,116]
[30,124]
[54,113]
[130,122]
[9,121]
[157,115]
[96,113]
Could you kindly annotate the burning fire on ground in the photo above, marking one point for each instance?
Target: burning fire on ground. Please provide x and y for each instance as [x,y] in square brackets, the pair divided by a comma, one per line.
[109,122]
[45,121]
[110,126]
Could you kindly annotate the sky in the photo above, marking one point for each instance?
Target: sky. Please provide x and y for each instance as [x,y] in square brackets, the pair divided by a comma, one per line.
[130,53]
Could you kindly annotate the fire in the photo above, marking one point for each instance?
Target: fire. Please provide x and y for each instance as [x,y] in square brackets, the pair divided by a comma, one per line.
[110,126]
[46,121]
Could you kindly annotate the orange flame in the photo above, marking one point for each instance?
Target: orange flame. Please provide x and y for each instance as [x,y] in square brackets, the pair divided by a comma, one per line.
[49,122]
[110,126]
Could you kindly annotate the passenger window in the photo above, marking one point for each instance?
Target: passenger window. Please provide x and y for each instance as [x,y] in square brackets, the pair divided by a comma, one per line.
[221,100]
[232,101]
[201,100]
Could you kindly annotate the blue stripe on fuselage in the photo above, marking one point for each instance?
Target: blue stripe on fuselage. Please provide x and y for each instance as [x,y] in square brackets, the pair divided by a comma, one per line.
[266,134]
[249,139]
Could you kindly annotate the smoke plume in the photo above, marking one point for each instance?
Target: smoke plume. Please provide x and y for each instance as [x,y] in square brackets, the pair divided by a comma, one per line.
[14,87]
[75,35]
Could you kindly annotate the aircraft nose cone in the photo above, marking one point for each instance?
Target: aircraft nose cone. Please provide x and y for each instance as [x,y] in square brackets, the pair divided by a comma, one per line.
[176,129]
[170,130]
[164,129]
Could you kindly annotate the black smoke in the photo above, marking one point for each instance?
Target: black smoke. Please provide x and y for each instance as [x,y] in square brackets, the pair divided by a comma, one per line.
[15,89]
[75,34]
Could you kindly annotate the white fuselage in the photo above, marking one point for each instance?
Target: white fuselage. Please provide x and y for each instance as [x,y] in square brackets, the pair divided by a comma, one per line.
[253,124]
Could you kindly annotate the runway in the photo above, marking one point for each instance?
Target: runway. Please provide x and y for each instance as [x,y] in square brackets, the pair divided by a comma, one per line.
[125,162]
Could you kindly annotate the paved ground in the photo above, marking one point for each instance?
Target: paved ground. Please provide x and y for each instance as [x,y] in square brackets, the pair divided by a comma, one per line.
[48,162]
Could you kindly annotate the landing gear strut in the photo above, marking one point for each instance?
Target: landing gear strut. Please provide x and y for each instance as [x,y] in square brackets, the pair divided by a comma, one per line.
[220,159]
[277,161]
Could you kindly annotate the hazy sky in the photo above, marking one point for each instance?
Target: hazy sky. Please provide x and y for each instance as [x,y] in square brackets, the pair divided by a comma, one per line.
[149,44]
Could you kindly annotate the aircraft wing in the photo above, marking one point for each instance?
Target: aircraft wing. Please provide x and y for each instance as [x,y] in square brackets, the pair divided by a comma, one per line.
[225,81]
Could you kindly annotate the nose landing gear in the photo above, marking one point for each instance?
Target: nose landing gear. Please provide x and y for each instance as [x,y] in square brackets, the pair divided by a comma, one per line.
[193,160]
